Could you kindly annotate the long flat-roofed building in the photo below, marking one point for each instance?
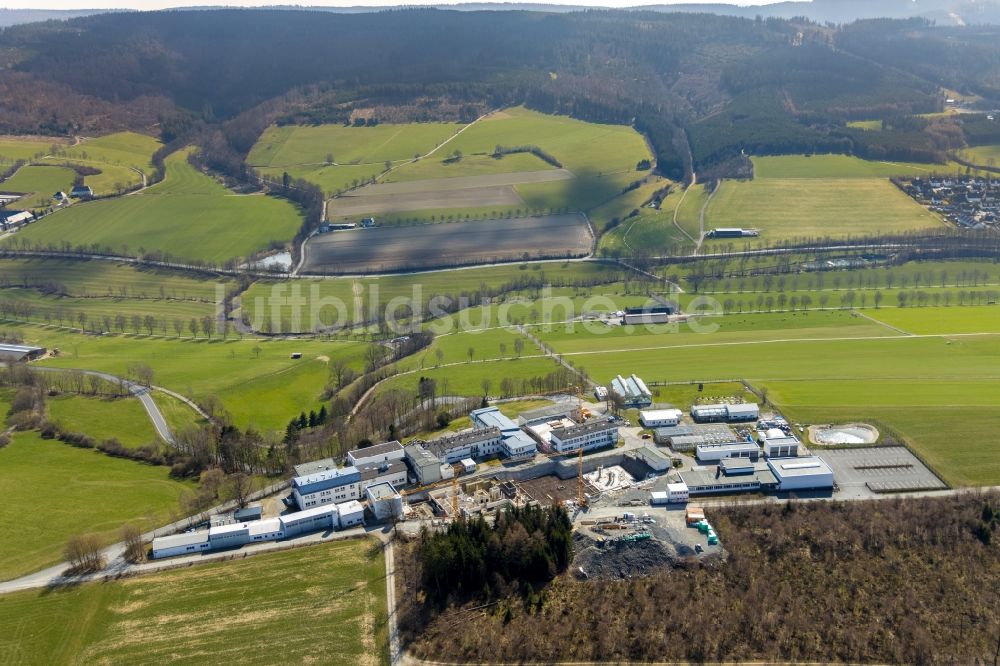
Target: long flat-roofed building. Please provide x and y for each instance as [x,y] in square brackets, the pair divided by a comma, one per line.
[715,452]
[478,443]
[376,454]
[732,475]
[660,418]
[805,473]
[181,544]
[593,434]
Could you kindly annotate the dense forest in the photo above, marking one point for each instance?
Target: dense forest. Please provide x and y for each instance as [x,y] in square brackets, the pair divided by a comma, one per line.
[910,581]
[526,545]
[704,88]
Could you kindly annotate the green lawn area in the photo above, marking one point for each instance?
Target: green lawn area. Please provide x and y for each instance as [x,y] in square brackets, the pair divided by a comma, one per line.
[869,125]
[358,152]
[322,298]
[319,604]
[105,278]
[466,379]
[440,165]
[103,418]
[65,310]
[177,414]
[188,216]
[841,166]
[738,329]
[127,149]
[13,149]
[983,155]
[799,208]
[653,230]
[89,492]
[38,184]
[602,157]
[932,321]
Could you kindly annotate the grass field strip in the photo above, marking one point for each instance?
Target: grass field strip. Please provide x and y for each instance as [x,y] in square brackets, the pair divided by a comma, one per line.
[882,323]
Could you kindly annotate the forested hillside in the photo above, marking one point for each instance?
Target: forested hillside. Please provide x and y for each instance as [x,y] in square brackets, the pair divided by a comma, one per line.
[700,86]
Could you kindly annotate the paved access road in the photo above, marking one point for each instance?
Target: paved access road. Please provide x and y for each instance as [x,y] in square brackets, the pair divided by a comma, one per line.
[138,390]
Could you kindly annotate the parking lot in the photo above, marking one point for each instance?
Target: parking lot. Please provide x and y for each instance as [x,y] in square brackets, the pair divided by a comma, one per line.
[875,470]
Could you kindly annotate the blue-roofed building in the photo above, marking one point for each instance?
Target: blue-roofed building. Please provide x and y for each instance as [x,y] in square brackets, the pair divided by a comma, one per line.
[514,442]
[326,486]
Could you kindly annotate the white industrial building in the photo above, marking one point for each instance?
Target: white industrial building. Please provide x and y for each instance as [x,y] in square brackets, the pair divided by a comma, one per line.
[181,544]
[676,493]
[514,442]
[329,486]
[383,500]
[351,514]
[234,535]
[656,459]
[376,454]
[805,473]
[593,434]
[779,445]
[713,453]
[720,413]
[425,465]
[479,443]
[742,413]
[660,418]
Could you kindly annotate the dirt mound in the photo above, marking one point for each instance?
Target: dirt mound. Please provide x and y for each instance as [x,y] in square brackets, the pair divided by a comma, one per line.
[617,560]
[851,433]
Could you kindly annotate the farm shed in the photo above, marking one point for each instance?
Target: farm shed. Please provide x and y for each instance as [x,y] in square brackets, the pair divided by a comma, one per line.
[20,352]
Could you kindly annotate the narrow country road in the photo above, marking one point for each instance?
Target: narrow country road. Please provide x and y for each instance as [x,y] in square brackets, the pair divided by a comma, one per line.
[138,390]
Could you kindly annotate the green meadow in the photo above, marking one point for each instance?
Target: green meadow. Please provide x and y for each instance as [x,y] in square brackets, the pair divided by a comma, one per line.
[123,419]
[842,166]
[323,604]
[89,278]
[187,217]
[13,149]
[38,184]
[321,299]
[800,208]
[257,380]
[53,491]
[359,153]
[982,155]
[118,157]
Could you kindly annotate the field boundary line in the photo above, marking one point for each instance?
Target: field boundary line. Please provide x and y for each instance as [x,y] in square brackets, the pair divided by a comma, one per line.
[882,323]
